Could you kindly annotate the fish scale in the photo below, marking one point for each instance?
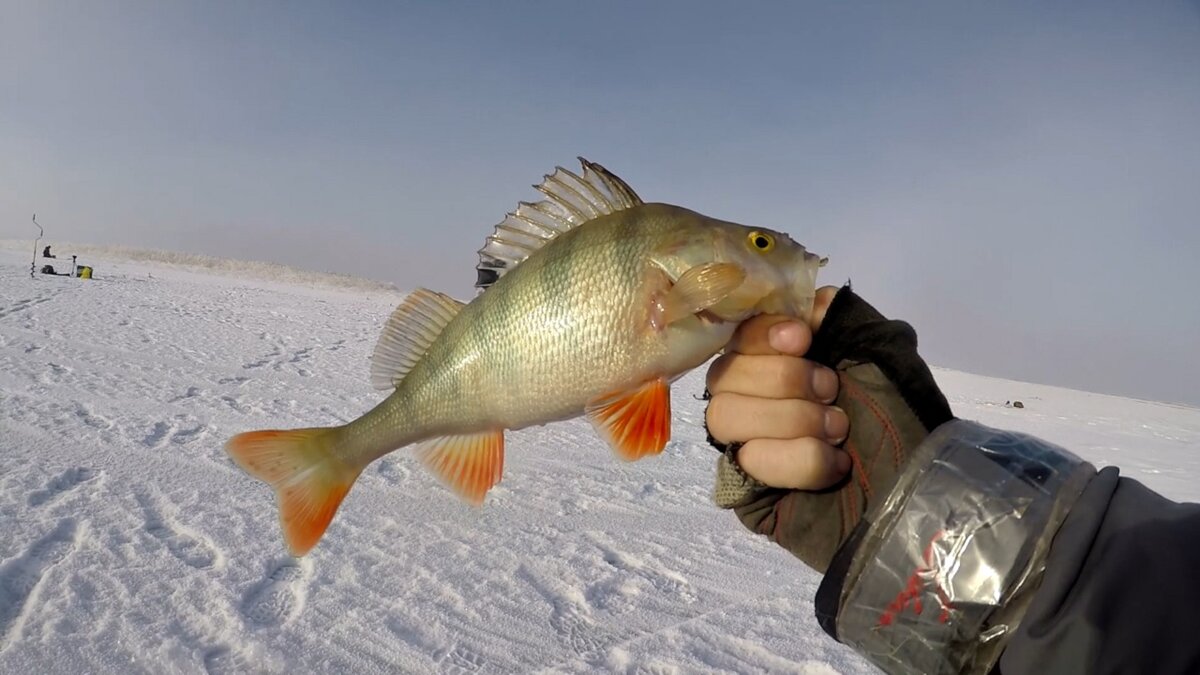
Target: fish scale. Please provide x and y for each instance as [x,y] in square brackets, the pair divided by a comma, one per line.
[578,315]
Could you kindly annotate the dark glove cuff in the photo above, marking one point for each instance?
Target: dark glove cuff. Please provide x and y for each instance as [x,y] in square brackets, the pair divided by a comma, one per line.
[854,331]
[937,576]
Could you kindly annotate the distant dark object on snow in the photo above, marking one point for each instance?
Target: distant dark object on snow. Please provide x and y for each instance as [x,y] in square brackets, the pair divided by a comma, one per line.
[46,253]
[1013,404]
[78,271]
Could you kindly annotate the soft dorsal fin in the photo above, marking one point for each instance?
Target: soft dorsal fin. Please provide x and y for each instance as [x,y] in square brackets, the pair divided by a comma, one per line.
[571,200]
[409,331]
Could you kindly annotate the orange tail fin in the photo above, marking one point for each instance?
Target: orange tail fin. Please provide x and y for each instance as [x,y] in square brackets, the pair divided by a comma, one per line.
[309,480]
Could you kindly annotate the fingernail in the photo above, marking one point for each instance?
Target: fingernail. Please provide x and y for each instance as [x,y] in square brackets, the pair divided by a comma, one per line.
[824,384]
[842,461]
[837,424]
[785,337]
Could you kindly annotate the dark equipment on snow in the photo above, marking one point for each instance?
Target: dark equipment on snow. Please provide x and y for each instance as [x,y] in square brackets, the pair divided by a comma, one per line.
[77,271]
[33,265]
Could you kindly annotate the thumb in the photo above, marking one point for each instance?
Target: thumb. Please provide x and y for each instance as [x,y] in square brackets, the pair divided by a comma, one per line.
[821,302]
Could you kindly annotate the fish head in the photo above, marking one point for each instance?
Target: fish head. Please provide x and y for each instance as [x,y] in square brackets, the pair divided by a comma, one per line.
[780,273]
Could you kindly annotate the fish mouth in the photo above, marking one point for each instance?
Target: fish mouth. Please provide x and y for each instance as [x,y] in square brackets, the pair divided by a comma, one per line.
[801,292]
[708,318]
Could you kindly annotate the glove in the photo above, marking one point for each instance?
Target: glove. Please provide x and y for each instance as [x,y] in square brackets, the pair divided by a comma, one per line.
[892,402]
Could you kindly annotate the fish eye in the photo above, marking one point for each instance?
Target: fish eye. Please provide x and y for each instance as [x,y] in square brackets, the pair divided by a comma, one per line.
[761,241]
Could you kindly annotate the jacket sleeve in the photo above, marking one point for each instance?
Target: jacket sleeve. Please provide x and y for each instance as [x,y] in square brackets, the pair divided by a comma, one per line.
[1121,589]
[998,552]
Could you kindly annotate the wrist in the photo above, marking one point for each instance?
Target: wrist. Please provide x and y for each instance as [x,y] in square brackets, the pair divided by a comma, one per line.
[733,486]
[937,575]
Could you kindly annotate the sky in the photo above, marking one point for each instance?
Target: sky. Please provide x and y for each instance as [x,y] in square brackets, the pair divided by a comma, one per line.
[1020,181]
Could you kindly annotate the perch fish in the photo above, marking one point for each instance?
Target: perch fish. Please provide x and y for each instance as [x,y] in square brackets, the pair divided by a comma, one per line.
[590,302]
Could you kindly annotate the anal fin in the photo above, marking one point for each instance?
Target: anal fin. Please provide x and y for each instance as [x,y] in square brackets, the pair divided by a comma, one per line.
[636,423]
[469,464]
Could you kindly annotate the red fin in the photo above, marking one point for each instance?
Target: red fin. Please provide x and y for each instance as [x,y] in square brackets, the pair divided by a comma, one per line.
[469,464]
[635,423]
[309,480]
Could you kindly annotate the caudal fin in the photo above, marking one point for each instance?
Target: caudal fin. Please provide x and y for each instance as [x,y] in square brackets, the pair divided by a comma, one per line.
[309,480]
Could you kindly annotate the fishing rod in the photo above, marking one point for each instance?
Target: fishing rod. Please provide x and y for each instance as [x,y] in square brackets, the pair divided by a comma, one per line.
[41,232]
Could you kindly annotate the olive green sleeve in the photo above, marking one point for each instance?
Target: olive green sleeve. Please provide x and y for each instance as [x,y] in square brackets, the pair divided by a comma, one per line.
[733,486]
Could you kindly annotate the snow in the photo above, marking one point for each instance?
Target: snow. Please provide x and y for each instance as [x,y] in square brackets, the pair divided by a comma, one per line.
[247,269]
[131,544]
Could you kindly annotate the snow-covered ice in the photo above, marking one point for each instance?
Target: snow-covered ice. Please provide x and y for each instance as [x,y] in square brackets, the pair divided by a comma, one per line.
[131,543]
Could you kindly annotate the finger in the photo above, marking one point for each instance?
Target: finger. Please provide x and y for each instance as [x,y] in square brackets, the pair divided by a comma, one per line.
[740,418]
[821,304]
[771,334]
[799,464]
[772,377]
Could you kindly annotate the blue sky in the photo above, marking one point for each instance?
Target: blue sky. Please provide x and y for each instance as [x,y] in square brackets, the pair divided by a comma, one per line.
[1021,181]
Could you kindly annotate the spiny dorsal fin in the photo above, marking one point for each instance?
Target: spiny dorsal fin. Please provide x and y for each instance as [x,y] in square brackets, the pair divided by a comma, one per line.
[409,331]
[571,200]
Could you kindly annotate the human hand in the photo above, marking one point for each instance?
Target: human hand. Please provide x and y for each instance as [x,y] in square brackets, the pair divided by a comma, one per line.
[775,451]
[777,405]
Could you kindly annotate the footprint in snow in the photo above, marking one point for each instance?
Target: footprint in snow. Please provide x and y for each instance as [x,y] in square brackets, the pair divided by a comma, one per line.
[663,580]
[656,668]
[192,392]
[458,660]
[574,505]
[54,373]
[24,304]
[615,596]
[156,435]
[92,419]
[568,615]
[225,661]
[393,471]
[265,360]
[21,576]
[170,431]
[279,598]
[192,549]
[236,404]
[573,626]
[62,484]
[189,435]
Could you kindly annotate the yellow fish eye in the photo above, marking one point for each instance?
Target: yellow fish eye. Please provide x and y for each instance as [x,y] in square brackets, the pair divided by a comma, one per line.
[761,241]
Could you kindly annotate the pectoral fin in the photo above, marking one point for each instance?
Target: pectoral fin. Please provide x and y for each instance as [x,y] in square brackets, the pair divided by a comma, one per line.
[635,423]
[698,289]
